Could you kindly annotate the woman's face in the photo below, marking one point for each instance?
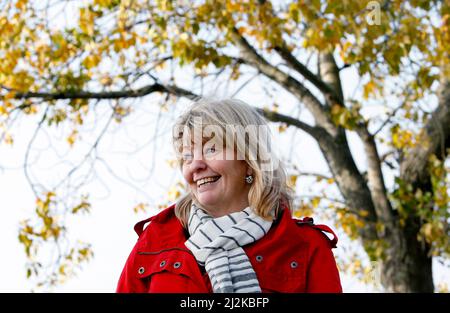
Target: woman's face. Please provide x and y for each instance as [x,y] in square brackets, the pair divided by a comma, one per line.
[218,183]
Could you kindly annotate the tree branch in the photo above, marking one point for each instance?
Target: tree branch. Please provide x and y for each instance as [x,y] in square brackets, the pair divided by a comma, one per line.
[391,115]
[128,93]
[436,139]
[27,153]
[375,178]
[252,58]
[329,93]
[329,73]
[318,176]
[174,90]
[272,116]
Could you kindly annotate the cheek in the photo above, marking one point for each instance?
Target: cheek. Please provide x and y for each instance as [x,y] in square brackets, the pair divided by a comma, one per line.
[186,174]
[236,171]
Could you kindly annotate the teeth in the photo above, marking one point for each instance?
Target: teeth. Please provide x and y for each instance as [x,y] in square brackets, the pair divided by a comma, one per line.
[206,180]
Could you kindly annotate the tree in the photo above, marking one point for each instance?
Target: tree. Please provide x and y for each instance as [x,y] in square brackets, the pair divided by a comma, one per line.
[117,50]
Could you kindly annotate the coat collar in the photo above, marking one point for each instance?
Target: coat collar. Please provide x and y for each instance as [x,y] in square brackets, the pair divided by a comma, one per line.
[166,231]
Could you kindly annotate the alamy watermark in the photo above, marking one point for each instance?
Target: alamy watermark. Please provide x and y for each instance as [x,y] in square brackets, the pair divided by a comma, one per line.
[374,275]
[374,15]
[235,142]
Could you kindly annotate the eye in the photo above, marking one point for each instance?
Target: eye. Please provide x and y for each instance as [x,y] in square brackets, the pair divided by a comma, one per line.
[210,150]
[187,156]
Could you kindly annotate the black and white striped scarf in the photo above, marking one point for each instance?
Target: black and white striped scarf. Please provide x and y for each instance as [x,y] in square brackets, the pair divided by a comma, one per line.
[217,244]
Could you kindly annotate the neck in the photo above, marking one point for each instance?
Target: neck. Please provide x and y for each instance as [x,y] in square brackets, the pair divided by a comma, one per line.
[222,210]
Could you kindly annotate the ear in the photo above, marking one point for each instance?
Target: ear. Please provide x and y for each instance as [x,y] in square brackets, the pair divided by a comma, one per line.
[249,170]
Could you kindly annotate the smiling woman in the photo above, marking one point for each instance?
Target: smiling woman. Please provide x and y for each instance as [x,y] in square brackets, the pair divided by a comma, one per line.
[216,182]
[233,231]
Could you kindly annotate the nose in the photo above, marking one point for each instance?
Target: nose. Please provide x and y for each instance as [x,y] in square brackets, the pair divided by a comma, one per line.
[198,163]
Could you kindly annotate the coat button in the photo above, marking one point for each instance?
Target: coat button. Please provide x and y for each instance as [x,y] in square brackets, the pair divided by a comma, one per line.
[141,270]
[259,258]
[162,263]
[177,264]
[294,264]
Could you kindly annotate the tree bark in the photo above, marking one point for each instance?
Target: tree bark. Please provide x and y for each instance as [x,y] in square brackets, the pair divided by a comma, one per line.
[127,93]
[407,264]
[436,139]
[409,268]
[337,153]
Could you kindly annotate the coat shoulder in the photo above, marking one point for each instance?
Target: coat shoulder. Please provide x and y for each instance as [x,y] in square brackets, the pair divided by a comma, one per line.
[318,233]
[165,216]
[163,231]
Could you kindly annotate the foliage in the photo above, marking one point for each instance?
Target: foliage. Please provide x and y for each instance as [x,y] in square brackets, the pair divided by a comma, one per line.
[48,231]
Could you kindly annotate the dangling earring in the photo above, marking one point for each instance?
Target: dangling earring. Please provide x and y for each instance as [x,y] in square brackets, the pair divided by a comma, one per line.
[249,179]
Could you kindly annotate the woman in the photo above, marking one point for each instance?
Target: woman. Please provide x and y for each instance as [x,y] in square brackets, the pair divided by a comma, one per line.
[233,231]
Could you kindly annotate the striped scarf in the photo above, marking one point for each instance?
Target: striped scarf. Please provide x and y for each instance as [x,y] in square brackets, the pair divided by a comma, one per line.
[217,244]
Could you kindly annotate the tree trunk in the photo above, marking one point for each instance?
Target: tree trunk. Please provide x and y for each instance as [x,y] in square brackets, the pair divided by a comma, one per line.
[407,263]
[408,267]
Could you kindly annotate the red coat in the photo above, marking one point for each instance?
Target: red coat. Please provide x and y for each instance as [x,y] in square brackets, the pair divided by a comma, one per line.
[294,256]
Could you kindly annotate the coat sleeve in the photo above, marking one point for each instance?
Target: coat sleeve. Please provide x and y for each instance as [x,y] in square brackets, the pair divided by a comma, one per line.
[323,274]
[128,281]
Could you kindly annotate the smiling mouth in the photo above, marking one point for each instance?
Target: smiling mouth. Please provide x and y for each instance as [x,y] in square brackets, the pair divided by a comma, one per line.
[208,181]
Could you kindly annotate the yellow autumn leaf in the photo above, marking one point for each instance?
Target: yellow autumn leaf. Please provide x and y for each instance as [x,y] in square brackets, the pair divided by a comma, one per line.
[172,163]
[31,109]
[368,89]
[427,230]
[184,36]
[3,111]
[8,139]
[62,269]
[292,180]
[86,21]
[141,207]
[173,194]
[282,128]
[303,210]
[106,80]
[50,195]
[78,119]
[103,3]
[82,207]
[363,213]
[315,202]
[91,61]
[72,137]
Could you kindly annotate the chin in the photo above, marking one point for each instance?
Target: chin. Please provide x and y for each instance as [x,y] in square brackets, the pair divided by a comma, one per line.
[207,201]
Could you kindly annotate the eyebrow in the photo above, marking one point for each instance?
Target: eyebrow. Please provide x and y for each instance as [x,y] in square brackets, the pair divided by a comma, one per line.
[205,140]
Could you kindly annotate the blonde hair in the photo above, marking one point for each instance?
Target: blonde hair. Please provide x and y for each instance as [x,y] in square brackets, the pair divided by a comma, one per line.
[269,190]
